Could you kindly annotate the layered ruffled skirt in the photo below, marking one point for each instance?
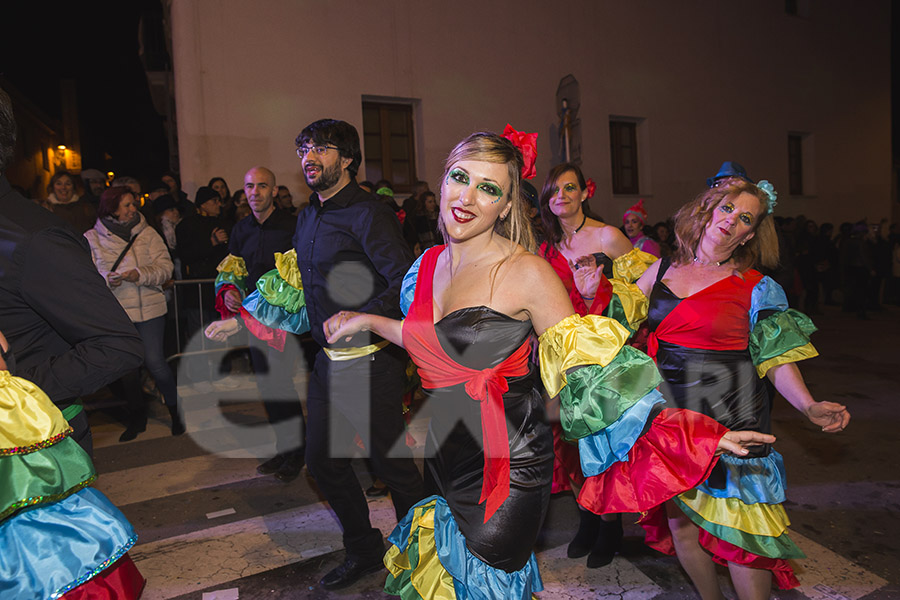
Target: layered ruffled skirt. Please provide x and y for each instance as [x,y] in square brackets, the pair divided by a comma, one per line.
[58,538]
[742,522]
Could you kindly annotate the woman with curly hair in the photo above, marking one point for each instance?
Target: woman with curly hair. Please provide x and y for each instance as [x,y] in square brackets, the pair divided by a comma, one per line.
[719,330]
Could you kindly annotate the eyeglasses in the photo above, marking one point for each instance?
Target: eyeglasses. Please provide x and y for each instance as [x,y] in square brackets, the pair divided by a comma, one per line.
[302,151]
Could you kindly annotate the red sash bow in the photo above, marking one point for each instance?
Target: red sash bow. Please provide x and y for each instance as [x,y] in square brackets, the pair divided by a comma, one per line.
[487,386]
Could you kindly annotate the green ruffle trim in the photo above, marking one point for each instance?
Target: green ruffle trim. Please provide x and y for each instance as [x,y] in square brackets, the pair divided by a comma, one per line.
[72,410]
[779,333]
[47,475]
[227,277]
[595,397]
[278,292]
[761,545]
[615,311]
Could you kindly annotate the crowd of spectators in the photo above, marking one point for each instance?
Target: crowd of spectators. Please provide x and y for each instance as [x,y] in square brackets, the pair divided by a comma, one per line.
[855,266]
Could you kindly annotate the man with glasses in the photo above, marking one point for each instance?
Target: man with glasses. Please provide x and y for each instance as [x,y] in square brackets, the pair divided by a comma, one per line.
[351,255]
[252,246]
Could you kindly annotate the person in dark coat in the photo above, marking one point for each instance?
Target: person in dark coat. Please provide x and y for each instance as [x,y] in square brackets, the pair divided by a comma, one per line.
[202,243]
[67,332]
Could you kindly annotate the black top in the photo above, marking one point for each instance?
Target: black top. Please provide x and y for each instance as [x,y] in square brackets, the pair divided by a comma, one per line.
[69,333]
[352,255]
[257,242]
[478,338]
[721,384]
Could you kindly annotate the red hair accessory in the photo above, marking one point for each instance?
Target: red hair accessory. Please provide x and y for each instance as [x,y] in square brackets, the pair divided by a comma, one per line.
[591,188]
[527,145]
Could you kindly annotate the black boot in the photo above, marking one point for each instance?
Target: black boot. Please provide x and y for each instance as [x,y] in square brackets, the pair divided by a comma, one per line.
[609,541]
[588,528]
[177,422]
[136,424]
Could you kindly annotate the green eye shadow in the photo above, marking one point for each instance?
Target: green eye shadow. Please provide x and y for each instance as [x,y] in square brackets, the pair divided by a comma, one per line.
[458,176]
[492,190]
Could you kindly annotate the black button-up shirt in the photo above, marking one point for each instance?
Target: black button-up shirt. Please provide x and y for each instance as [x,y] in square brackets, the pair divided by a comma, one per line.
[352,256]
[257,242]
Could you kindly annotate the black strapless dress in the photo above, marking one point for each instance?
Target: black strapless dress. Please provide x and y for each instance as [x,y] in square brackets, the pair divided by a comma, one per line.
[482,338]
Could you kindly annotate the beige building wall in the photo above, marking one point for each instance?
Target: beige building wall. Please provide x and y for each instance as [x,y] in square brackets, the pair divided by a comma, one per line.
[711,81]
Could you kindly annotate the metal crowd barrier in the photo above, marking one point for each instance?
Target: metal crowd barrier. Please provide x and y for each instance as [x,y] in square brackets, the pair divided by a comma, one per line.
[207,313]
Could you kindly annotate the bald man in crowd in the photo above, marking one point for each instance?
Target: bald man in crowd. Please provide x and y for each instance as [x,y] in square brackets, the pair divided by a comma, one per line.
[255,239]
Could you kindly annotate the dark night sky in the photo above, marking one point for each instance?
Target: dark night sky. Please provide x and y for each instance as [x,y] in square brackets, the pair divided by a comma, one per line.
[96,45]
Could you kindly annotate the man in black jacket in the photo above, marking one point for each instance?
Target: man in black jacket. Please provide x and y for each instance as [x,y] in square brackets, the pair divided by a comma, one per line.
[69,334]
[351,255]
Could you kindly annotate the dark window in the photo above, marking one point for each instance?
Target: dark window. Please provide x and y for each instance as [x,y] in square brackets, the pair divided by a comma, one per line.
[389,144]
[795,164]
[623,149]
[790,7]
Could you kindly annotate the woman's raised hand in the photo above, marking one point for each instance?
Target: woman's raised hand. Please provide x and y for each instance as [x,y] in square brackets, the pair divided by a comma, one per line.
[344,324]
[736,442]
[587,275]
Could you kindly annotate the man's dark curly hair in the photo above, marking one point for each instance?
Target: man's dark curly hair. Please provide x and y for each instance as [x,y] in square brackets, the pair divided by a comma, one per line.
[331,132]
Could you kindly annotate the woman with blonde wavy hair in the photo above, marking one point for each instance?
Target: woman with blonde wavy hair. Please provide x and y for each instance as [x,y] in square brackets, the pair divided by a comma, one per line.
[719,329]
[472,310]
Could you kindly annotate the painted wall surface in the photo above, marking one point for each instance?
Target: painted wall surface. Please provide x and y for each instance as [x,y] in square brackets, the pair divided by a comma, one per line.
[711,80]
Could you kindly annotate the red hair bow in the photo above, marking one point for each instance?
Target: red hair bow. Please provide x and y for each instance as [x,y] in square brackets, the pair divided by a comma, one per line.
[527,145]
[591,188]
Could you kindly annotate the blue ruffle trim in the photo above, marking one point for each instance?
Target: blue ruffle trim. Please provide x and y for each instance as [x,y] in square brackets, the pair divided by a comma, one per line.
[612,444]
[408,287]
[766,295]
[752,480]
[472,578]
[275,316]
[51,549]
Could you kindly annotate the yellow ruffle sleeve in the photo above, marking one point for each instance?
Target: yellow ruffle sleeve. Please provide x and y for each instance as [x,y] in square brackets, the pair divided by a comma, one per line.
[287,268]
[576,341]
[234,265]
[630,266]
[27,416]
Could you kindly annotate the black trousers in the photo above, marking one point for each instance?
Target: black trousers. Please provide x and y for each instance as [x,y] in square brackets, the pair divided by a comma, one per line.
[274,372]
[360,397]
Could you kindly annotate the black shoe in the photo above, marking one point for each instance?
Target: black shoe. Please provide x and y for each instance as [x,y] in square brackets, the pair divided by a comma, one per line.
[349,572]
[588,528]
[290,467]
[609,541]
[271,465]
[177,422]
[377,491]
[133,430]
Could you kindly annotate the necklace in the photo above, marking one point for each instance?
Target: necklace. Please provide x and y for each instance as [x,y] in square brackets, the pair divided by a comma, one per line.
[706,264]
[577,229]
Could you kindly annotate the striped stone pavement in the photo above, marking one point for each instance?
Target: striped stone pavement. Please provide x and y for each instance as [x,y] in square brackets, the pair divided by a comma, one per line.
[211,528]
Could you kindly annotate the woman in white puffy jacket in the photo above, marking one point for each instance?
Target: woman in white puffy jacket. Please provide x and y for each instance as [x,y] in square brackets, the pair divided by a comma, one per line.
[135,262]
